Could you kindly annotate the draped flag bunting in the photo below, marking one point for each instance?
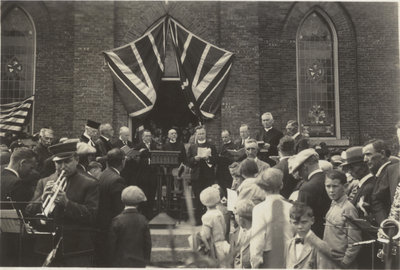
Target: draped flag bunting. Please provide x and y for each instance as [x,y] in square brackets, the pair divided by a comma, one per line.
[137,69]
[13,116]
[203,70]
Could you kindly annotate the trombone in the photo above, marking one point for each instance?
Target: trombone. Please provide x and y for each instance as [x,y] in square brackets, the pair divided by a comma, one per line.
[59,185]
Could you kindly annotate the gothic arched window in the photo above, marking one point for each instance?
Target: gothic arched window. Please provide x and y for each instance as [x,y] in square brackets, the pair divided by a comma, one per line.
[317,76]
[17,56]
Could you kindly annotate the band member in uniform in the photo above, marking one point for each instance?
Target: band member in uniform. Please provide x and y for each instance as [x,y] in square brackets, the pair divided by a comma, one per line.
[74,211]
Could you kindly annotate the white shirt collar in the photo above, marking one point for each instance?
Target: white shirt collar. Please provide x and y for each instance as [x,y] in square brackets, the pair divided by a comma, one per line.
[172,141]
[228,142]
[14,171]
[112,168]
[267,129]
[201,142]
[123,140]
[381,168]
[283,158]
[107,139]
[87,136]
[314,172]
[295,135]
[365,178]
[129,207]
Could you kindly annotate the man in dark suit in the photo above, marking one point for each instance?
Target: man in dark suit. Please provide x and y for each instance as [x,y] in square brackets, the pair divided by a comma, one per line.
[312,192]
[244,135]
[360,197]
[124,134]
[270,136]
[202,163]
[146,176]
[131,166]
[75,210]
[90,133]
[13,187]
[103,143]
[173,145]
[45,166]
[224,177]
[292,129]
[111,185]
[286,150]
[387,174]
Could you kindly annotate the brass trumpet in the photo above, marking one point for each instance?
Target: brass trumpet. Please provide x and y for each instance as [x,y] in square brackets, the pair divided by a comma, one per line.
[59,185]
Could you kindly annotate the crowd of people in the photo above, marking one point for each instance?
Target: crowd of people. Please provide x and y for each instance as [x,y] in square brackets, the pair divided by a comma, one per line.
[297,205]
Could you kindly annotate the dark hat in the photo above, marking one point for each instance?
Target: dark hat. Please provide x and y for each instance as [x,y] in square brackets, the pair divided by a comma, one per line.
[92,124]
[353,155]
[62,151]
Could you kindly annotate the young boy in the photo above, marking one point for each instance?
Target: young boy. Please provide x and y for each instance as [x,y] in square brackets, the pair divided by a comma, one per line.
[336,250]
[129,238]
[240,238]
[300,254]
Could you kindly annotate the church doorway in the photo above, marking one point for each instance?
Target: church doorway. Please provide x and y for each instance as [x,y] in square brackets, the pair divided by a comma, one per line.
[170,111]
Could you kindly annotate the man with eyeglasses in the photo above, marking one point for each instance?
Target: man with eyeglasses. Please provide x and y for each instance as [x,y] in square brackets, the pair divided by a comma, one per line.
[75,209]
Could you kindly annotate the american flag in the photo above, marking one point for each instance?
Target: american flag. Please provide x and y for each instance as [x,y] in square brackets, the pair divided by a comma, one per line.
[13,116]
[137,68]
[203,69]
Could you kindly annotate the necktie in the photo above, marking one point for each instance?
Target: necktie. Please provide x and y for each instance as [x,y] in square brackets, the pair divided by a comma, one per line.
[353,192]
[299,240]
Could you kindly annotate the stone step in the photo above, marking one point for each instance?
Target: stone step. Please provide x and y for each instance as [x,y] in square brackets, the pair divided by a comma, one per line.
[161,252]
[165,255]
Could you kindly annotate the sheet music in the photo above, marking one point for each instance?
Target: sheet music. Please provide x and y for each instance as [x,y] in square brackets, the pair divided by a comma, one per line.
[232,199]
[204,152]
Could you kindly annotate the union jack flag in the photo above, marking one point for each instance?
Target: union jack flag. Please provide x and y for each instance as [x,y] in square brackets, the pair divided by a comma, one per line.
[137,68]
[203,70]
[13,116]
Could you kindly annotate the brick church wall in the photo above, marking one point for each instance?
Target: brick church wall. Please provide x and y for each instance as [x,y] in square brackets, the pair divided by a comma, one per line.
[72,83]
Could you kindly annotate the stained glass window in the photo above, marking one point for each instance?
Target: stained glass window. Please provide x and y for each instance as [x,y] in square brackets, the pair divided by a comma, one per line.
[17,56]
[316,76]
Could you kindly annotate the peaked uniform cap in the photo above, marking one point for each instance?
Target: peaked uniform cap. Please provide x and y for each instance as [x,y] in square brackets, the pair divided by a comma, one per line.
[353,155]
[62,151]
[296,161]
[92,124]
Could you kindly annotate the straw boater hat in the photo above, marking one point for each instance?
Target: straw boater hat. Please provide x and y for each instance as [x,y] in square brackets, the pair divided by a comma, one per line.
[210,196]
[132,195]
[297,160]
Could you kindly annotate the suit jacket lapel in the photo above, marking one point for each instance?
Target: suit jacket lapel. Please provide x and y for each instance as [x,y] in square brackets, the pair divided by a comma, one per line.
[304,253]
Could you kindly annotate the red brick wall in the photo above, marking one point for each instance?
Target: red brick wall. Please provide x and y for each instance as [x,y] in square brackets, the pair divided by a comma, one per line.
[73,85]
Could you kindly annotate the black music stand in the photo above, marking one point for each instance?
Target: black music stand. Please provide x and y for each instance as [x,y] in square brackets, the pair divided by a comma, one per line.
[164,160]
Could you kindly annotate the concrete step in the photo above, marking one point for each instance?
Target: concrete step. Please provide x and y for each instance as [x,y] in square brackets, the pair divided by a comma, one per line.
[163,240]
